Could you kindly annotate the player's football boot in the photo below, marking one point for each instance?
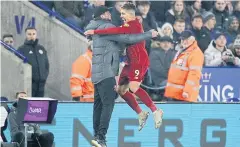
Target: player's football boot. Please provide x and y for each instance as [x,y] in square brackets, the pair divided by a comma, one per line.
[158,115]
[142,118]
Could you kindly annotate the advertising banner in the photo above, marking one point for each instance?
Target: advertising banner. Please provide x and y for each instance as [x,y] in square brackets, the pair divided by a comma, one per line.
[220,85]
[184,125]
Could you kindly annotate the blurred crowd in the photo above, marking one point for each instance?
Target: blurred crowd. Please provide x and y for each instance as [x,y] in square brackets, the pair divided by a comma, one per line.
[215,25]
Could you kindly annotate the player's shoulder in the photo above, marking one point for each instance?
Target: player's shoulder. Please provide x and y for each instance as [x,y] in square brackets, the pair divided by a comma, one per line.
[109,25]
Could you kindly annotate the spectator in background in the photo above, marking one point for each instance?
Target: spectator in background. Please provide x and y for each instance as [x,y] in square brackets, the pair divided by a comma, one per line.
[185,71]
[209,22]
[80,82]
[159,9]
[34,132]
[148,19]
[179,27]
[197,24]
[8,39]
[195,8]
[72,11]
[233,27]
[236,51]
[177,12]
[229,6]
[37,57]
[217,53]
[236,11]
[166,30]
[115,13]
[161,57]
[139,16]
[207,5]
[221,13]
[88,12]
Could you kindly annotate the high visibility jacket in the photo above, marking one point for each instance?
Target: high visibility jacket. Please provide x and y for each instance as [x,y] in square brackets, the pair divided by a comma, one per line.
[80,81]
[185,73]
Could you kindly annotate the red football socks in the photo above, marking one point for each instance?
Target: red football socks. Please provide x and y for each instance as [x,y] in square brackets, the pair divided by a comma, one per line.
[132,102]
[146,99]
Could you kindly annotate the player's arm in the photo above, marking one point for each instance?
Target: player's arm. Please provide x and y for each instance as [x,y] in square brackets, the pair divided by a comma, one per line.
[129,38]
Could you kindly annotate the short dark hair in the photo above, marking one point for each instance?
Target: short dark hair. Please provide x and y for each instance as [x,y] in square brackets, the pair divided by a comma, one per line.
[197,16]
[7,35]
[143,3]
[129,6]
[30,28]
[19,93]
[179,20]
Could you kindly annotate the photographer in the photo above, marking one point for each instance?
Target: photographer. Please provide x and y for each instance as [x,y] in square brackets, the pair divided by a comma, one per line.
[34,133]
[217,54]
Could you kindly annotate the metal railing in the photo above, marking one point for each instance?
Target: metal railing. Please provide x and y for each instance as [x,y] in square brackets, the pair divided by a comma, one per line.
[58,16]
[13,50]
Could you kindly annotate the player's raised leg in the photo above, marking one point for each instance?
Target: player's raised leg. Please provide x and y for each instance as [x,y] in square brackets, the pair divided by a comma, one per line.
[145,98]
[135,78]
[123,90]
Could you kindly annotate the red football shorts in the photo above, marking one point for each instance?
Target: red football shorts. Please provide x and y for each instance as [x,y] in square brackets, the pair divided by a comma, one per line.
[132,72]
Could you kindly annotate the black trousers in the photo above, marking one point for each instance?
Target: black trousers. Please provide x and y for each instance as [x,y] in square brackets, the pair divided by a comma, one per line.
[104,100]
[45,140]
[38,88]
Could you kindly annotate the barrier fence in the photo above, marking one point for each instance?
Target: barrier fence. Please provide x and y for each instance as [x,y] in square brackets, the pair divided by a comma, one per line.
[184,125]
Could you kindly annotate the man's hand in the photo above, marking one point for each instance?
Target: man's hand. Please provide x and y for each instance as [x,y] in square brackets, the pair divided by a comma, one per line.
[185,95]
[225,58]
[89,32]
[154,33]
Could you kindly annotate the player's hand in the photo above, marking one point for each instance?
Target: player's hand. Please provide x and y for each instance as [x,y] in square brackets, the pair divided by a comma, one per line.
[154,33]
[185,95]
[89,32]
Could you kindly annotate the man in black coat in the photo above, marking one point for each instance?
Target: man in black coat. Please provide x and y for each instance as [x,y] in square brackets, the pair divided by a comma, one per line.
[37,57]
[115,13]
[209,22]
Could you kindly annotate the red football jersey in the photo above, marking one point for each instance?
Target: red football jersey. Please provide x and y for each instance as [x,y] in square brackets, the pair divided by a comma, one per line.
[136,53]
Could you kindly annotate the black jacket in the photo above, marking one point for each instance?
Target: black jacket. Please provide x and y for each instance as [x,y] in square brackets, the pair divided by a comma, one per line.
[237,14]
[37,57]
[176,37]
[221,18]
[204,39]
[160,61]
[159,8]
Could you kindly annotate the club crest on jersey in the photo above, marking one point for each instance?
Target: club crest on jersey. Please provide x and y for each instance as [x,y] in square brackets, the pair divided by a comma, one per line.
[126,25]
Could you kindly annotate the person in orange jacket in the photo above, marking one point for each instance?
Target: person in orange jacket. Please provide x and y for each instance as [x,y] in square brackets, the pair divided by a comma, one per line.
[82,88]
[185,72]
